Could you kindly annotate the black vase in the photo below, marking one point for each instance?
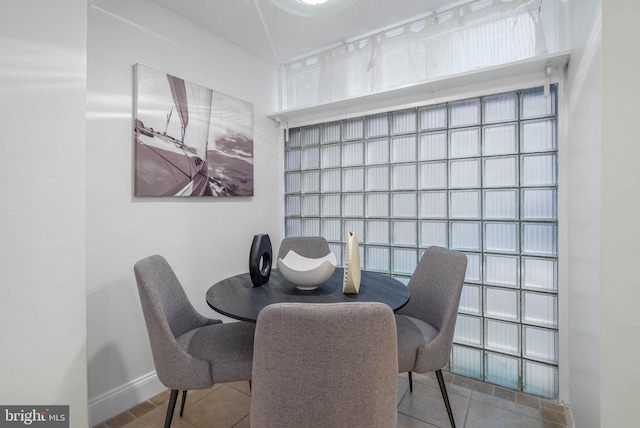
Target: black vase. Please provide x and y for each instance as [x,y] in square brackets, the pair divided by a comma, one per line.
[260,259]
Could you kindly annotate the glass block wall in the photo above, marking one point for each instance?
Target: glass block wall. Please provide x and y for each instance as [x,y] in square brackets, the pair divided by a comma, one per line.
[476,175]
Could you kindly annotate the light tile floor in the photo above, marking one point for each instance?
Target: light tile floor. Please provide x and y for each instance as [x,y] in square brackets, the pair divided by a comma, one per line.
[475,404]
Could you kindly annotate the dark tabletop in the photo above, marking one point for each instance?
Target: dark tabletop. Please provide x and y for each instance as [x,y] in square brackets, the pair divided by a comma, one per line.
[236,297]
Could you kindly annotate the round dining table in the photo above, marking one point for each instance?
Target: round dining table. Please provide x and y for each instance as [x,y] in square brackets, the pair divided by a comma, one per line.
[236,296]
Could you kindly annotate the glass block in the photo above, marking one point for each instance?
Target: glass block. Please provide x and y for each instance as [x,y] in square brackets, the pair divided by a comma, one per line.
[331,229]
[353,129]
[501,270]
[377,205]
[378,178]
[353,205]
[465,235]
[468,330]
[433,175]
[403,204]
[535,104]
[310,181]
[502,336]
[501,237]
[377,151]
[310,227]
[336,249]
[470,299]
[355,226]
[432,204]
[330,156]
[466,361]
[292,182]
[538,136]
[464,173]
[377,125]
[293,227]
[330,205]
[464,143]
[310,205]
[539,239]
[501,303]
[434,233]
[540,344]
[352,179]
[464,113]
[433,117]
[377,232]
[539,274]
[330,180]
[404,261]
[539,204]
[464,204]
[403,177]
[500,140]
[377,259]
[502,370]
[403,149]
[291,160]
[500,108]
[474,268]
[404,121]
[310,158]
[540,379]
[539,170]
[294,138]
[501,204]
[432,146]
[330,133]
[540,309]
[353,154]
[500,172]
[292,205]
[310,136]
[404,233]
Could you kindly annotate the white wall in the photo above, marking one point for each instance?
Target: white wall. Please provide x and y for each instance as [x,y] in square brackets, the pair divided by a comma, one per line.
[204,239]
[584,218]
[620,290]
[604,205]
[42,208]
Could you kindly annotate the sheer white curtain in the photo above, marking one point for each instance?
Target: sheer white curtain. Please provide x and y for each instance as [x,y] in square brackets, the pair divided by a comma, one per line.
[475,35]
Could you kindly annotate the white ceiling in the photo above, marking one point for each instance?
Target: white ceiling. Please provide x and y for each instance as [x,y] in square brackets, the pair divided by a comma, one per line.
[264,29]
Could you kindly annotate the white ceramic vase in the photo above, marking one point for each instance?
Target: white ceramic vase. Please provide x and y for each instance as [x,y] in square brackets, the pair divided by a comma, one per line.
[351,281]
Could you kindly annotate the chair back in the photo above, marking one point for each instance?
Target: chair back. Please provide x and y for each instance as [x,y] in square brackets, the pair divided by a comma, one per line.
[169,314]
[308,246]
[435,288]
[325,365]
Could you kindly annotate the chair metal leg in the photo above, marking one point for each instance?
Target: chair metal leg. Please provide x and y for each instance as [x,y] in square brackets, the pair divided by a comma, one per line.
[410,382]
[170,407]
[445,396]
[184,398]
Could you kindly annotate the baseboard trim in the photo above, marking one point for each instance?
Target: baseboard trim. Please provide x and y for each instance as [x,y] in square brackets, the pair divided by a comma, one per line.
[118,400]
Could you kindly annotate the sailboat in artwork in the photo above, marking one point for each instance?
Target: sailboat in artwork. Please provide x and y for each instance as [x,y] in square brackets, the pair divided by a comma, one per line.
[185,155]
[198,172]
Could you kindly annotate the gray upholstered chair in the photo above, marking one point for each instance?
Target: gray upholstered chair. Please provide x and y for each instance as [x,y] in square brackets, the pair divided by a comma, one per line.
[189,350]
[307,246]
[426,324]
[325,366]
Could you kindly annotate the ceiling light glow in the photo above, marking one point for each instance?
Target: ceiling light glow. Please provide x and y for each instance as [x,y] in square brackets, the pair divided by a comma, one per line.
[313,8]
[312,2]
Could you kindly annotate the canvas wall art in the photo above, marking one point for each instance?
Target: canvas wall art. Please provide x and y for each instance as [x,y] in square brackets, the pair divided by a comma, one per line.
[190,140]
